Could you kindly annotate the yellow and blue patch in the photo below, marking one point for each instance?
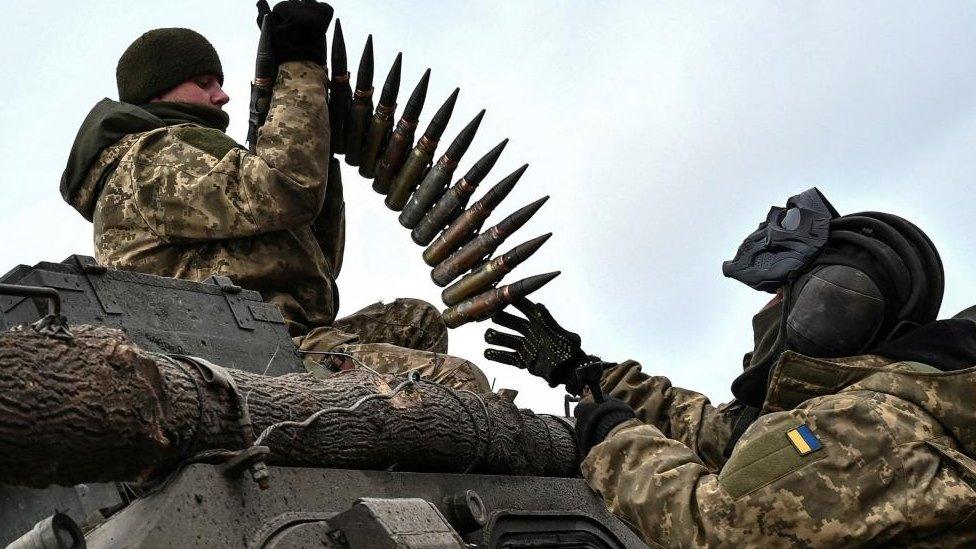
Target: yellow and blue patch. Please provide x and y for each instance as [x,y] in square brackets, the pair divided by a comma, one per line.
[804,440]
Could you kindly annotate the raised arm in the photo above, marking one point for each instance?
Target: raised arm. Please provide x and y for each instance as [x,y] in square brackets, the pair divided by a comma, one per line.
[194,183]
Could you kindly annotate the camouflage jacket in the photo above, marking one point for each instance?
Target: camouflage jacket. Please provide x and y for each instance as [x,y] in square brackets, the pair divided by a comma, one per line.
[682,415]
[186,201]
[848,452]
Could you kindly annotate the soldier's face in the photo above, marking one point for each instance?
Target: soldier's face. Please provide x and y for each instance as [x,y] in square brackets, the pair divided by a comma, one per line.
[202,90]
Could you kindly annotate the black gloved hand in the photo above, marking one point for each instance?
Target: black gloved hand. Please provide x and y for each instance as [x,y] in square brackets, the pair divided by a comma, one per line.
[297,29]
[546,349]
[595,421]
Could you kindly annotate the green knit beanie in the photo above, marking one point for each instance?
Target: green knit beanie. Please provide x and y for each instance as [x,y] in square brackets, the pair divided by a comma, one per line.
[161,59]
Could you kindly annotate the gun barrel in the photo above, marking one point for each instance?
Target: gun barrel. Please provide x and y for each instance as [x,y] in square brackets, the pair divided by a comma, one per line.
[492,301]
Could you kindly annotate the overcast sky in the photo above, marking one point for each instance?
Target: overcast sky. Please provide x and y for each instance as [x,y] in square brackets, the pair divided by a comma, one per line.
[662,130]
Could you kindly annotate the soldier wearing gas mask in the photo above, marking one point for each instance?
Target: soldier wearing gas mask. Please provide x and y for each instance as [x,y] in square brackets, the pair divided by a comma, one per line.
[854,420]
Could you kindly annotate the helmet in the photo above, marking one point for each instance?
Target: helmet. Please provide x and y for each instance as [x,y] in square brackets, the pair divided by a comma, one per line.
[874,276]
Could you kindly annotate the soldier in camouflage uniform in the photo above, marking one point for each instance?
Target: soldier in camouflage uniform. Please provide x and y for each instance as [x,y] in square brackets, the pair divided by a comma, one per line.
[171,194]
[871,443]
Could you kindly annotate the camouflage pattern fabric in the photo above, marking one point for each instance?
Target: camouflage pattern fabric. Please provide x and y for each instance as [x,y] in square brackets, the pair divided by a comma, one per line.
[186,201]
[850,452]
[683,415]
[399,337]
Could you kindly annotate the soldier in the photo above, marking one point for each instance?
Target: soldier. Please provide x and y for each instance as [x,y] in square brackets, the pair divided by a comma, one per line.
[171,194]
[853,422]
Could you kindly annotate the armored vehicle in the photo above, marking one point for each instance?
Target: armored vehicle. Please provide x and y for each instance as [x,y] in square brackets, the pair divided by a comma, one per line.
[218,505]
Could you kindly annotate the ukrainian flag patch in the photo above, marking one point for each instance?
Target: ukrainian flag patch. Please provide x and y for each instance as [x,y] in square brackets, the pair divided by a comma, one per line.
[804,440]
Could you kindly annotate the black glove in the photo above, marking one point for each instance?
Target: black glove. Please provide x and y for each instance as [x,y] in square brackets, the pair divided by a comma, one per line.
[595,421]
[546,349]
[297,29]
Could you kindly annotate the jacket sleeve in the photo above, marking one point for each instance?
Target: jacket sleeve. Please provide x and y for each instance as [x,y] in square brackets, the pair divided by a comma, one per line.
[329,226]
[194,183]
[680,414]
[856,488]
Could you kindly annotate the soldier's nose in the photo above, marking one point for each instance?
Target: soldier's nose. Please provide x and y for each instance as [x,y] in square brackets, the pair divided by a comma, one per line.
[220,98]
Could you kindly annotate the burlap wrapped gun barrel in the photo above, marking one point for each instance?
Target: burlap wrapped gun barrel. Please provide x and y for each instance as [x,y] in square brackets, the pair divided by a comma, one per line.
[488,303]
[362,106]
[379,127]
[483,245]
[420,157]
[401,140]
[340,92]
[491,272]
[462,229]
[452,203]
[439,176]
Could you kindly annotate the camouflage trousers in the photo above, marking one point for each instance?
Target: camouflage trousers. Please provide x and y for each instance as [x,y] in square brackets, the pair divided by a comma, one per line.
[404,336]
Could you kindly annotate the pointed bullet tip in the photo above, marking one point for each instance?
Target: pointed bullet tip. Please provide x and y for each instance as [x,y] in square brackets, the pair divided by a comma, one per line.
[530,284]
[525,250]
